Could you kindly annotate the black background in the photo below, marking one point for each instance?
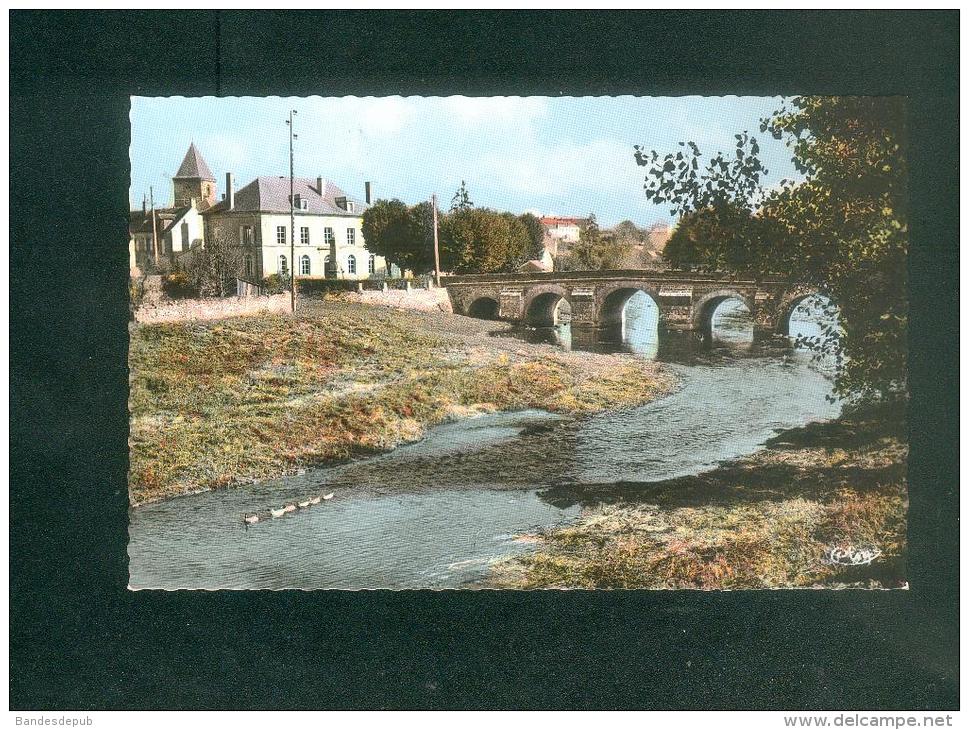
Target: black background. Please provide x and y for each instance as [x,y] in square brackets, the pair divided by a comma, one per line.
[79,639]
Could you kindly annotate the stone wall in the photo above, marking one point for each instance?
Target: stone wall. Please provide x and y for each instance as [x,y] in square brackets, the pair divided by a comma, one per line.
[425,300]
[199,309]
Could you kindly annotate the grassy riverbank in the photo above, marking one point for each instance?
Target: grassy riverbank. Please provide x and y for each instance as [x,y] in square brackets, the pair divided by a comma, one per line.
[217,404]
[767,521]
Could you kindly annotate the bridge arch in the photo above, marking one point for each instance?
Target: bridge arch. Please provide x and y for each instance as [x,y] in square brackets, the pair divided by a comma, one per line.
[790,302]
[613,303]
[707,304]
[542,305]
[485,307]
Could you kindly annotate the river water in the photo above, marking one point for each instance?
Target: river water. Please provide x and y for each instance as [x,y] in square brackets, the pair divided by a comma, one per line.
[437,513]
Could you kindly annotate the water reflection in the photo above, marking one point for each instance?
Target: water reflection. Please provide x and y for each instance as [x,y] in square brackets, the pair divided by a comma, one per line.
[731,334]
[731,322]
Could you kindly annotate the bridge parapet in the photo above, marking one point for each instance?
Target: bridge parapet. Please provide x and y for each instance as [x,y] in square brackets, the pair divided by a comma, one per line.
[685,300]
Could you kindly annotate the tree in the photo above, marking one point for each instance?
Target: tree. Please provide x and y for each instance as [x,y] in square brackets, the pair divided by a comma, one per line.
[723,238]
[461,199]
[214,266]
[401,234]
[536,236]
[843,228]
[479,240]
[595,250]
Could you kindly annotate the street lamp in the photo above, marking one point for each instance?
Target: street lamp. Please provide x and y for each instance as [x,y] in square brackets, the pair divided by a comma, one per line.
[292,217]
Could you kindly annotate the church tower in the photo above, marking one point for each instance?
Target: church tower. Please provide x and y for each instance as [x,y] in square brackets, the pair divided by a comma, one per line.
[194,180]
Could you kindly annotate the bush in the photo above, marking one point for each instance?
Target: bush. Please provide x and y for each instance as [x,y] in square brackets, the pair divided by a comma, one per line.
[322,287]
[276,284]
[179,285]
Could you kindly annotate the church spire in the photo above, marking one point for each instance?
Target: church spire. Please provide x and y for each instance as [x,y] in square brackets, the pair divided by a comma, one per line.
[194,181]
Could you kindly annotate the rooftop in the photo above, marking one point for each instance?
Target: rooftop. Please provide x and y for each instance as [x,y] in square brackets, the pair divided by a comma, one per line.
[271,195]
[193,166]
[551,220]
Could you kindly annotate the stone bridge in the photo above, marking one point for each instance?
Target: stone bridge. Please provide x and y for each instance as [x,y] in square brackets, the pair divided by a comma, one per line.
[686,301]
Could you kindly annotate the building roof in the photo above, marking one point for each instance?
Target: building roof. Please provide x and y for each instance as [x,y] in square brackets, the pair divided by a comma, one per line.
[139,221]
[550,220]
[193,166]
[535,265]
[271,195]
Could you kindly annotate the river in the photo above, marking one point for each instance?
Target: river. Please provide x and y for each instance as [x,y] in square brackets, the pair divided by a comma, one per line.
[437,513]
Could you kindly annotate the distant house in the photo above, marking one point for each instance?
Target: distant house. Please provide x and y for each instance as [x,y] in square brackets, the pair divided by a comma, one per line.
[327,233]
[561,233]
[659,234]
[543,264]
[563,229]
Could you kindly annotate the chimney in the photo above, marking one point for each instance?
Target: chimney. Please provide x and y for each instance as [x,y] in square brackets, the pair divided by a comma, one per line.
[319,185]
[367,192]
[230,194]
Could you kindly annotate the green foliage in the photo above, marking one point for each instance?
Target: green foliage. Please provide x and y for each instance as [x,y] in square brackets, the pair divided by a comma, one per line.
[471,240]
[179,285]
[536,236]
[843,228]
[847,225]
[401,234]
[596,250]
[461,199]
[479,240]
[723,238]
[275,284]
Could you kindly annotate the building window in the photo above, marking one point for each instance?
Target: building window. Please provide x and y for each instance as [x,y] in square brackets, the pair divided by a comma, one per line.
[351,264]
[304,236]
[351,236]
[283,265]
[304,265]
[280,234]
[328,236]
[249,265]
[247,239]
[372,264]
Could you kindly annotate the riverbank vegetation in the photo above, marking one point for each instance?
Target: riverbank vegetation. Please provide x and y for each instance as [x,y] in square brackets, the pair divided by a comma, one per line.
[772,520]
[216,404]
[843,227]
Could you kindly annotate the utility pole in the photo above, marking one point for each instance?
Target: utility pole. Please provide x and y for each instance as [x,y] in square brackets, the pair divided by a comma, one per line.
[154,227]
[437,255]
[292,219]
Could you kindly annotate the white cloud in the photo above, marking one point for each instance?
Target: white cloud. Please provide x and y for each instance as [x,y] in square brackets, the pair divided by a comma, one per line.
[490,111]
[566,168]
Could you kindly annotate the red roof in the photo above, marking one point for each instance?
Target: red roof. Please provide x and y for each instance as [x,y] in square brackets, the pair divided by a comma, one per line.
[559,221]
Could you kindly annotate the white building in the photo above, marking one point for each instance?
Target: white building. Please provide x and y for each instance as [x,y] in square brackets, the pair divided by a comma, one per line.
[563,229]
[157,236]
[176,230]
[328,237]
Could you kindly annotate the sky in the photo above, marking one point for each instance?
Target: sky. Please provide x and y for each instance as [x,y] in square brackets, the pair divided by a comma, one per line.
[567,156]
